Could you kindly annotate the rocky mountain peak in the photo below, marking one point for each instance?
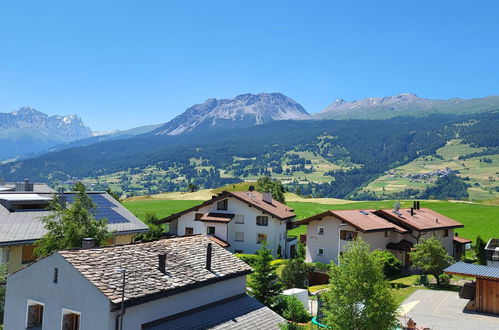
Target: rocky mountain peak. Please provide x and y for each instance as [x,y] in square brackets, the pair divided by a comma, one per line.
[241,111]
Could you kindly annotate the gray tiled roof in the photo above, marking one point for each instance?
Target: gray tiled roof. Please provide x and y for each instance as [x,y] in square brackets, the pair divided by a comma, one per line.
[473,270]
[242,312]
[26,226]
[185,267]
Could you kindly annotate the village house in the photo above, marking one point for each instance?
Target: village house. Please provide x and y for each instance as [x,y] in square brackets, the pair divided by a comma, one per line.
[394,230]
[240,220]
[24,204]
[182,282]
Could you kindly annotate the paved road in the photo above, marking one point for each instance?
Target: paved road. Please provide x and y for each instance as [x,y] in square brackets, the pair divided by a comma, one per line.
[444,310]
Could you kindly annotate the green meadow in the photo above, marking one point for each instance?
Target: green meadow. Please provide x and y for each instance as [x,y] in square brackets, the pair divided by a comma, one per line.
[478,219]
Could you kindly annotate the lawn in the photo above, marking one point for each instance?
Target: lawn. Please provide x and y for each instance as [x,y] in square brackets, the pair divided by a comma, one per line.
[161,208]
[478,219]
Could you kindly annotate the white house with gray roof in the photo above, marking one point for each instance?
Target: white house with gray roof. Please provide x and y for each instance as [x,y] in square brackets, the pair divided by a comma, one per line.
[23,205]
[175,283]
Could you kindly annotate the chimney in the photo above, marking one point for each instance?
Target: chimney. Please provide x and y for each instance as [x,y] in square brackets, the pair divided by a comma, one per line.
[412,211]
[436,220]
[162,263]
[417,205]
[208,257]
[24,186]
[61,197]
[267,197]
[88,243]
[414,205]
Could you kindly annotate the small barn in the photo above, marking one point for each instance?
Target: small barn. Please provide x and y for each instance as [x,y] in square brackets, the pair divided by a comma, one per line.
[484,291]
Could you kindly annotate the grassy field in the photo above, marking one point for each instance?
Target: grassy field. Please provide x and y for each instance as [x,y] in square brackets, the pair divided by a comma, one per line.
[478,219]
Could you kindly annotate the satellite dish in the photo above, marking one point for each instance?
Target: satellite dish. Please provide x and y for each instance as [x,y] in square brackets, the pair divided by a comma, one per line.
[396,207]
[251,188]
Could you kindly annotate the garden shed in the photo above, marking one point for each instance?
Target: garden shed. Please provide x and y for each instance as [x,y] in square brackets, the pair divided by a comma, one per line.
[486,285]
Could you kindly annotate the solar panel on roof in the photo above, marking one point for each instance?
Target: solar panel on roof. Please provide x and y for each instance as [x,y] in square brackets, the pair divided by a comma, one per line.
[364,212]
[104,208]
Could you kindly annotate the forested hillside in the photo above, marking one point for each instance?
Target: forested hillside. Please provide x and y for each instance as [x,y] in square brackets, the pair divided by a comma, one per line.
[320,158]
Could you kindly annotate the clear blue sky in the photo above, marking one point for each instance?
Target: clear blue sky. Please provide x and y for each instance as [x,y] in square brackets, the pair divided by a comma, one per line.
[121,64]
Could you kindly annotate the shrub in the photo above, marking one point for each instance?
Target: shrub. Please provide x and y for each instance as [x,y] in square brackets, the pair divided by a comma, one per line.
[391,265]
[291,309]
[250,259]
[445,280]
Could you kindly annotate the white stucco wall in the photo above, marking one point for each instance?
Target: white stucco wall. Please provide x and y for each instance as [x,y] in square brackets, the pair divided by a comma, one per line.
[376,240]
[275,231]
[72,291]
[137,315]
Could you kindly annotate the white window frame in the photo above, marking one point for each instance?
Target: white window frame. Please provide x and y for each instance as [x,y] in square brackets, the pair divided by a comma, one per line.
[239,218]
[69,311]
[235,236]
[319,230]
[320,254]
[31,302]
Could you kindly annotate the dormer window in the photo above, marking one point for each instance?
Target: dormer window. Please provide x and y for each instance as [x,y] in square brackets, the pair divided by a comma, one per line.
[223,205]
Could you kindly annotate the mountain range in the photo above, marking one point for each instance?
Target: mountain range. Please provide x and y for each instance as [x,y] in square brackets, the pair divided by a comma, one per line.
[220,141]
[242,111]
[27,130]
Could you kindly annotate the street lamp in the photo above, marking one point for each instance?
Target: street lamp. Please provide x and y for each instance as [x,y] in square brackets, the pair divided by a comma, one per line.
[122,313]
[339,242]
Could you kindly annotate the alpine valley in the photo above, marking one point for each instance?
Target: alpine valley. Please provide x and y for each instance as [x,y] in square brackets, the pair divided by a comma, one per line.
[400,146]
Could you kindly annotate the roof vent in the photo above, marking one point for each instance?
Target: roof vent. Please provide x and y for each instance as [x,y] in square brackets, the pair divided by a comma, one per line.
[412,211]
[24,186]
[267,197]
[88,243]
[436,220]
[162,263]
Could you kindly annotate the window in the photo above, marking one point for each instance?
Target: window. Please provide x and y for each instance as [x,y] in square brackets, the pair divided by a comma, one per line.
[210,230]
[262,221]
[34,318]
[239,218]
[27,254]
[446,233]
[320,231]
[56,275]
[223,205]
[261,238]
[70,320]
[387,233]
[347,235]
[239,237]
[320,252]
[189,231]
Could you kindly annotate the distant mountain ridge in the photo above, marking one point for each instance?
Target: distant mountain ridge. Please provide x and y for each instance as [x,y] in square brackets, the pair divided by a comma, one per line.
[406,104]
[28,130]
[242,111]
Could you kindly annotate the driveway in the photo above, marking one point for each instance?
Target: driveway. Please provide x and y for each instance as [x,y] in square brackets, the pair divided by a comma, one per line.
[442,310]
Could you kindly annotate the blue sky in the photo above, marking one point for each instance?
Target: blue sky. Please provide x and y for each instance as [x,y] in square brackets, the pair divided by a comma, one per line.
[121,64]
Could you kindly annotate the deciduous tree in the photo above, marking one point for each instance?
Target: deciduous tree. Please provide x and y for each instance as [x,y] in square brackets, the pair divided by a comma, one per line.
[67,227]
[431,257]
[359,297]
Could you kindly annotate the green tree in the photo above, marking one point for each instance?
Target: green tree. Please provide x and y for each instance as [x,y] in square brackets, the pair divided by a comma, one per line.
[275,187]
[291,308]
[391,265]
[294,273]
[430,256]
[479,249]
[359,297]
[192,187]
[155,230]
[264,283]
[67,227]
